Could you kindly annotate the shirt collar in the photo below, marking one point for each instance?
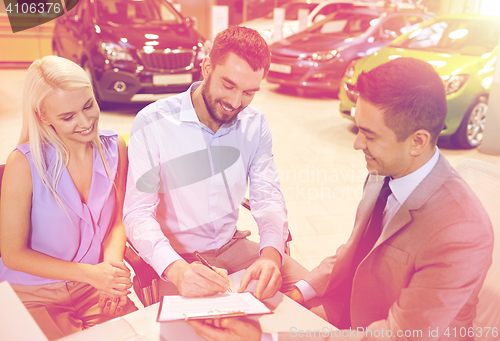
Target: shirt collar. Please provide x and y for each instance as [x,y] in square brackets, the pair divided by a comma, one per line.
[402,187]
[188,114]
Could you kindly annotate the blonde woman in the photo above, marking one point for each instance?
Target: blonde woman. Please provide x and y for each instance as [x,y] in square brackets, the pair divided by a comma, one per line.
[61,234]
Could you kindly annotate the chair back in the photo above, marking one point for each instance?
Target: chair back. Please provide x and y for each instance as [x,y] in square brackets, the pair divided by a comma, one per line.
[484,179]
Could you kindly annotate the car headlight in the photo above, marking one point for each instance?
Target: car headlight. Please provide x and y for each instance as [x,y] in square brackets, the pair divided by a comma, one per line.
[323,56]
[115,52]
[349,70]
[453,83]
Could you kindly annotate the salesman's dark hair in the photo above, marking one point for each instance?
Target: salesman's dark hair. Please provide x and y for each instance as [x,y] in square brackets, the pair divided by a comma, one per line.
[410,92]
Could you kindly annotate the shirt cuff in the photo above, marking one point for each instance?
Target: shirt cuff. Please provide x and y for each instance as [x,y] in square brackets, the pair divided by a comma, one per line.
[275,241]
[306,290]
[162,259]
[269,337]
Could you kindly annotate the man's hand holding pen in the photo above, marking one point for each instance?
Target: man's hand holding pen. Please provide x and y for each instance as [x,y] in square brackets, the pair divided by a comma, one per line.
[207,264]
[196,279]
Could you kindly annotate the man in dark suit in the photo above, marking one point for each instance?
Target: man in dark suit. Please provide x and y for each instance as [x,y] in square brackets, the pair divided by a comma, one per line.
[422,242]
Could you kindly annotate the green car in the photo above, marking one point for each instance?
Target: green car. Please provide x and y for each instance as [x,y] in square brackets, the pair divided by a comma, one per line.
[463,49]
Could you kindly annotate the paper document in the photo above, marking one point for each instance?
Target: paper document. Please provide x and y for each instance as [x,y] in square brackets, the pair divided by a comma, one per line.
[235,279]
[220,305]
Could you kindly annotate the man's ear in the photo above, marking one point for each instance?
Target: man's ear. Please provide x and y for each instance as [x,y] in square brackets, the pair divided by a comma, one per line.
[206,67]
[420,140]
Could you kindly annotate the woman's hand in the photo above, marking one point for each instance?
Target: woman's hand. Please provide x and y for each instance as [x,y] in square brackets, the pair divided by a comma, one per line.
[112,277]
[110,305]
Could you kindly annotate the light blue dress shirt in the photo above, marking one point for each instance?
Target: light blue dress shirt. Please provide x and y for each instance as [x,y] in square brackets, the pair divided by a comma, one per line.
[185,182]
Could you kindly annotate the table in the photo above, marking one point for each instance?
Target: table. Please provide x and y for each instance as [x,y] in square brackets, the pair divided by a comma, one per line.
[141,325]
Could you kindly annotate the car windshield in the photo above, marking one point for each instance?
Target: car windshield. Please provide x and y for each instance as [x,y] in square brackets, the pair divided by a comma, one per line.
[469,37]
[292,10]
[128,12]
[351,24]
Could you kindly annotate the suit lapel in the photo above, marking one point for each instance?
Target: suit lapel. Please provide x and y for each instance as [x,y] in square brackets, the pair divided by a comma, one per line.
[417,198]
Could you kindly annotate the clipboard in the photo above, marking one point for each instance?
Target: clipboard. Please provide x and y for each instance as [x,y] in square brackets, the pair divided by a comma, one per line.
[174,308]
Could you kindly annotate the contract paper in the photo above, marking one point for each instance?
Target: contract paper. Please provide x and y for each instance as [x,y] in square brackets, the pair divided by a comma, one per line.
[174,308]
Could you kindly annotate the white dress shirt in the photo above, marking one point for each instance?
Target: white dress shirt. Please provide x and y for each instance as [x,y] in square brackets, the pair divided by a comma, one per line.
[185,182]
[401,189]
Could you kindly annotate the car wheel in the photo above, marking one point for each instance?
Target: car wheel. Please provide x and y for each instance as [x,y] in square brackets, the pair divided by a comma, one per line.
[88,71]
[470,132]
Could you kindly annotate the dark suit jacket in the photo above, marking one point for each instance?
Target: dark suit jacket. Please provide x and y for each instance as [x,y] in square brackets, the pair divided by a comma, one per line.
[424,273]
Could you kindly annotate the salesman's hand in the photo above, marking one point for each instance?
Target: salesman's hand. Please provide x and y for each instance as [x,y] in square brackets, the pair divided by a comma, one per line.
[267,270]
[227,329]
[196,280]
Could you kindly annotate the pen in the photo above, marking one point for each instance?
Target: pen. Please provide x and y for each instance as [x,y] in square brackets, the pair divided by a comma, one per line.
[206,263]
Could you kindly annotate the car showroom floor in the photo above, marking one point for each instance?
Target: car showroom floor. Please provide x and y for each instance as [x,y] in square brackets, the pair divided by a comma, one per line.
[321,174]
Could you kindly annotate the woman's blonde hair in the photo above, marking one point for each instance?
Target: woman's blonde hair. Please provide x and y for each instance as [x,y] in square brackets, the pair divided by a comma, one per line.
[44,77]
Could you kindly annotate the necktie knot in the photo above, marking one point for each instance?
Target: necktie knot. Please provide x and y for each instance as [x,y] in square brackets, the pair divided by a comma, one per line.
[385,191]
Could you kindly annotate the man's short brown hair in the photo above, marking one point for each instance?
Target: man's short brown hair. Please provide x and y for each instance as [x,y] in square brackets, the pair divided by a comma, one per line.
[244,42]
[410,92]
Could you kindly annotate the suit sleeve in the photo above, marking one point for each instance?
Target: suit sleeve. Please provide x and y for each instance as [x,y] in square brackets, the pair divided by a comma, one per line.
[448,272]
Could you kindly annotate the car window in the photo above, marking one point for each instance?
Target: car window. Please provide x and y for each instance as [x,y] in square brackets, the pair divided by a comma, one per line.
[292,10]
[329,9]
[80,10]
[333,26]
[343,23]
[394,24]
[471,37]
[136,12]
[413,21]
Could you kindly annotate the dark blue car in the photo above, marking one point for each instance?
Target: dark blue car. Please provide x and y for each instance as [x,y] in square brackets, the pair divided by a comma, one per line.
[317,57]
[131,49]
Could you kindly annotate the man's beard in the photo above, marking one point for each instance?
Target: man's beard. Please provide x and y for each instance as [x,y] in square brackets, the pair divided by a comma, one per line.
[211,105]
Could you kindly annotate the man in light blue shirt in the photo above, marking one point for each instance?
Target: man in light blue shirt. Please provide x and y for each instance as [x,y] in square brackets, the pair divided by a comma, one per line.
[192,157]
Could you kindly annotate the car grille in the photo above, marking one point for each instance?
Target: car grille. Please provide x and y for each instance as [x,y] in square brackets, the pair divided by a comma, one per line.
[168,61]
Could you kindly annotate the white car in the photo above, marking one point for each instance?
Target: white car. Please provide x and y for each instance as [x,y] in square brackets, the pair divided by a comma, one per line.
[318,9]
